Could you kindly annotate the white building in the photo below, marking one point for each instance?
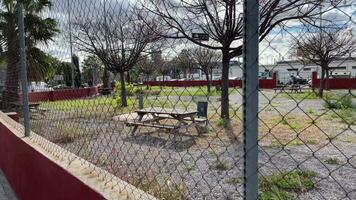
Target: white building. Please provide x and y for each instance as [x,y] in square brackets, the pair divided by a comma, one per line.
[235,70]
[343,67]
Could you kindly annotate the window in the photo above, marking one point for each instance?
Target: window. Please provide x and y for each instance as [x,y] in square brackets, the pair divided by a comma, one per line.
[292,69]
[338,68]
[307,69]
[353,67]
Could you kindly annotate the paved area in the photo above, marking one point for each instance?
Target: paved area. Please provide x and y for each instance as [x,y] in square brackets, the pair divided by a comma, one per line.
[6,192]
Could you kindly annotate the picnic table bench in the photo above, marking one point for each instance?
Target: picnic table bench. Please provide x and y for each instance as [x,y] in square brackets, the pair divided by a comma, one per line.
[292,88]
[33,106]
[151,118]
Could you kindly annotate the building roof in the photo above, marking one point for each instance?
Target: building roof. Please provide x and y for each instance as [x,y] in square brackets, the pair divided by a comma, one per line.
[300,62]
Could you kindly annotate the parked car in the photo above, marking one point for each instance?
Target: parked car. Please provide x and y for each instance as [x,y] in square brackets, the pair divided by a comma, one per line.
[297,80]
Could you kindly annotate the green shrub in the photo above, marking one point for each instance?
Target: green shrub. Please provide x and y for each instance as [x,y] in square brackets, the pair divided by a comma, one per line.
[223,123]
[278,186]
[220,165]
[131,89]
[336,102]
[332,161]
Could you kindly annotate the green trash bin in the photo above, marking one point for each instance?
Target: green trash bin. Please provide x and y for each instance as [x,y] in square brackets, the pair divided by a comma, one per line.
[202,109]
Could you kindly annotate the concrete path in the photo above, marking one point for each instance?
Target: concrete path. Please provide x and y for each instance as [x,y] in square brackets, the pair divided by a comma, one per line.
[6,192]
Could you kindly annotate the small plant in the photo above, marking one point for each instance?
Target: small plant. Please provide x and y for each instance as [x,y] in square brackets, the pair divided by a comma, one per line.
[336,102]
[311,111]
[220,165]
[332,161]
[310,94]
[234,180]
[292,123]
[223,122]
[203,129]
[350,139]
[165,190]
[189,168]
[284,121]
[278,186]
[67,134]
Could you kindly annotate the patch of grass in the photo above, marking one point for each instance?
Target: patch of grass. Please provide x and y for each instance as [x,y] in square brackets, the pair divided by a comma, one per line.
[332,161]
[189,168]
[291,122]
[344,107]
[279,186]
[203,129]
[234,180]
[311,111]
[350,139]
[68,105]
[309,94]
[190,91]
[346,115]
[275,104]
[35,127]
[166,190]
[275,194]
[293,143]
[338,101]
[220,165]
[224,123]
[67,134]
[296,142]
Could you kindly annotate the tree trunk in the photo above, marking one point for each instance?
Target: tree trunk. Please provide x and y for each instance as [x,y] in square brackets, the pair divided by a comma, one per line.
[322,82]
[11,91]
[208,81]
[225,85]
[123,89]
[327,75]
[105,78]
[128,77]
[147,79]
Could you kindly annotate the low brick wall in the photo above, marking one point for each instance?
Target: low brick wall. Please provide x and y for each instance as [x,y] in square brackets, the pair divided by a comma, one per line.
[35,170]
[263,83]
[62,94]
[335,83]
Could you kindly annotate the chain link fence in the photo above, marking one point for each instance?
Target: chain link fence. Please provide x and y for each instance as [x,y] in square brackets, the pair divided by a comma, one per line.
[163,94]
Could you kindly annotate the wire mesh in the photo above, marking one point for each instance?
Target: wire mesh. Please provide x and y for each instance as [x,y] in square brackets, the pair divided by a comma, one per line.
[127,86]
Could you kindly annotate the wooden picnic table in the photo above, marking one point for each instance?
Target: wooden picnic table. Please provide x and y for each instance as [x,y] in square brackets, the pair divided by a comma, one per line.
[292,88]
[33,106]
[150,117]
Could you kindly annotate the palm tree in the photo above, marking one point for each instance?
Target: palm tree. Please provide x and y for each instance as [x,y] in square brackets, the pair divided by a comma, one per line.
[37,30]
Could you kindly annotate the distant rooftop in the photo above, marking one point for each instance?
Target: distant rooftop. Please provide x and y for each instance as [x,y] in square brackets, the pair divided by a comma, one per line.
[299,62]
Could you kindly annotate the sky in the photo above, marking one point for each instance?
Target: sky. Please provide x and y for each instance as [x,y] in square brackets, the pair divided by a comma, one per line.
[277,45]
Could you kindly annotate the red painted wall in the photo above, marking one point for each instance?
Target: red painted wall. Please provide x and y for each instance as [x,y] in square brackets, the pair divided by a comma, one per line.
[62,94]
[335,83]
[14,116]
[34,177]
[263,83]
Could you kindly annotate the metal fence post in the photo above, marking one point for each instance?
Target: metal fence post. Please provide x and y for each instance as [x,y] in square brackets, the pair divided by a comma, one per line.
[250,98]
[23,63]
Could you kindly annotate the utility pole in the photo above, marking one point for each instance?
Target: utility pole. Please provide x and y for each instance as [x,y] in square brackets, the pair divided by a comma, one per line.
[70,41]
[23,62]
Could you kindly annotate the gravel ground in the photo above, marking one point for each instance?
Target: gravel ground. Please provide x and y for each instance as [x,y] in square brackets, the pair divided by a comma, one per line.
[190,160]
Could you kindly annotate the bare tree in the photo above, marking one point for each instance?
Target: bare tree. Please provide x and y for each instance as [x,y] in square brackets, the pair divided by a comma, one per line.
[164,68]
[206,60]
[147,67]
[222,20]
[184,61]
[322,48]
[117,39]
